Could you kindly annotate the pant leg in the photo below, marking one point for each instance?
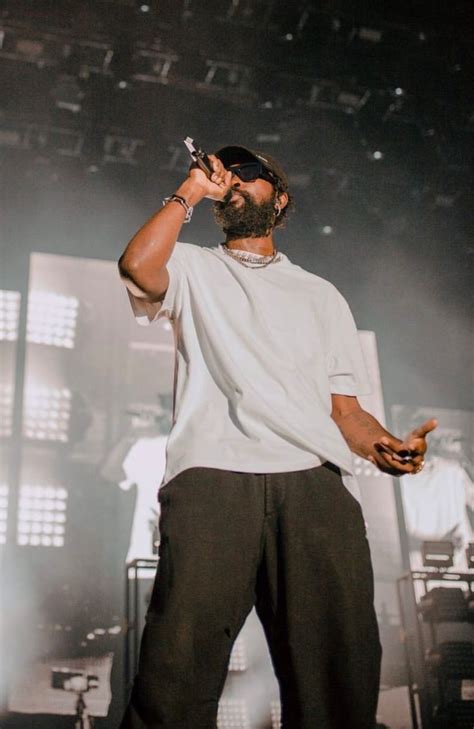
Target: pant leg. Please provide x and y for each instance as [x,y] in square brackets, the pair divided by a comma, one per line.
[315,600]
[211,529]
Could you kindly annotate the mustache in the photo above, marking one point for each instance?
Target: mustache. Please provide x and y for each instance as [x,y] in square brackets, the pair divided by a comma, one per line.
[221,204]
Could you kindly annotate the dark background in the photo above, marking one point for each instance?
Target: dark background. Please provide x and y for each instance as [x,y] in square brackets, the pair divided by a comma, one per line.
[97,96]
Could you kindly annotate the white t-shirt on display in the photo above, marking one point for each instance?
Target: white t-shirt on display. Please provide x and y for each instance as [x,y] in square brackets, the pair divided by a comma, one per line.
[258,353]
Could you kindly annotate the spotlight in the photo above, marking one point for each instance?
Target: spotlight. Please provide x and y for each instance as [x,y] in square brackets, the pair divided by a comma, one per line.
[376,155]
[327,230]
[41,516]
[145,8]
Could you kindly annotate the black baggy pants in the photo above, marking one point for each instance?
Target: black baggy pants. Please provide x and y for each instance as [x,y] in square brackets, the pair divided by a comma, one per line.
[292,544]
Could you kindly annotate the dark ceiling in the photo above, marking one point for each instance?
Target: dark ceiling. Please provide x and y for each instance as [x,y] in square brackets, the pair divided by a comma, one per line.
[369,106]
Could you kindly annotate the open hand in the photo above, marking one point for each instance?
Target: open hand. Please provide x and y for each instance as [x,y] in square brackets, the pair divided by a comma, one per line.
[398,457]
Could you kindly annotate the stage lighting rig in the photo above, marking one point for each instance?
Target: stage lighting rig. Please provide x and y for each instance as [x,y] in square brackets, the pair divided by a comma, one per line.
[226,76]
[153,66]
[121,149]
[67,94]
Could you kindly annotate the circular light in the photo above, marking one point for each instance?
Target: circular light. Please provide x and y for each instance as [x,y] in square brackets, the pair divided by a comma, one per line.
[377,154]
[326,229]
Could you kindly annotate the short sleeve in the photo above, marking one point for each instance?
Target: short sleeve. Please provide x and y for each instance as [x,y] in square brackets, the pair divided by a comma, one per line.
[146,313]
[345,363]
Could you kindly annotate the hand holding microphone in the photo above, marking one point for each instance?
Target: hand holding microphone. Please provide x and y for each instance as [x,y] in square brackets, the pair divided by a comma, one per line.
[209,172]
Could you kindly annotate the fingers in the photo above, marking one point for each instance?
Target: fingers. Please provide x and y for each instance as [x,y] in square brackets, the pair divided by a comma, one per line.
[401,456]
[220,173]
[216,186]
[423,430]
[391,464]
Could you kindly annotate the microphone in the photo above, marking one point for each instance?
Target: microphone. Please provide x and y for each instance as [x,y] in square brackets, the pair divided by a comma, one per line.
[202,160]
[199,157]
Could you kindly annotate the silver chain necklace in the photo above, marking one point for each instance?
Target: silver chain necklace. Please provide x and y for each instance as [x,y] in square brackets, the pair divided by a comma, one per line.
[249,259]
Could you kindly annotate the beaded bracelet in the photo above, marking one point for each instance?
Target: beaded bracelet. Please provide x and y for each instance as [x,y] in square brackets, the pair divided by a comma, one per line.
[183,203]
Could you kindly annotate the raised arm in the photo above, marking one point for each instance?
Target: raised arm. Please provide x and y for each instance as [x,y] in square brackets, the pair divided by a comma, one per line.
[366,437]
[142,265]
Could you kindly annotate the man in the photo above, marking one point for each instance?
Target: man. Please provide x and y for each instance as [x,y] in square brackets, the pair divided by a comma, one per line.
[254,509]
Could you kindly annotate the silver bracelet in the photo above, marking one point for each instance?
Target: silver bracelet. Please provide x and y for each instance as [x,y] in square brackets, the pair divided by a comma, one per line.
[177,198]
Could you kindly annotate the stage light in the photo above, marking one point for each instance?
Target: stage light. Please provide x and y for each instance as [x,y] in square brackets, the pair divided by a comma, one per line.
[275,708]
[63,141]
[9,315]
[238,658]
[6,411]
[365,468]
[233,714]
[47,412]
[52,319]
[376,155]
[3,512]
[370,34]
[438,554]
[41,515]
[122,149]
[67,94]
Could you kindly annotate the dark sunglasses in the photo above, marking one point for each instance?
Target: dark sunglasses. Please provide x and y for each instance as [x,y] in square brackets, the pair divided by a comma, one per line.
[251,171]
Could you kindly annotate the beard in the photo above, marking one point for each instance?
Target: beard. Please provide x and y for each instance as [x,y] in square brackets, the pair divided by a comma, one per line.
[247,220]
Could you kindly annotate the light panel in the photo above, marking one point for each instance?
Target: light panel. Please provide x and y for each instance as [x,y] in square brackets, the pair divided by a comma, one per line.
[275,707]
[9,315]
[366,468]
[47,412]
[3,512]
[233,714]
[6,411]
[41,515]
[52,319]
[238,658]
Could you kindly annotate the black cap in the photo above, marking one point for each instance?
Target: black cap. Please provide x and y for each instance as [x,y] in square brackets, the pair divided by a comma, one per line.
[235,154]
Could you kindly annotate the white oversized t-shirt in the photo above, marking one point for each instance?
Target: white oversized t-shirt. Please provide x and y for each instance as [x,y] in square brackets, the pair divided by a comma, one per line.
[258,353]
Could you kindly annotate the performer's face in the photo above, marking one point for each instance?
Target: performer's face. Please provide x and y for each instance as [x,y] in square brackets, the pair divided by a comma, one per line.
[250,212]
